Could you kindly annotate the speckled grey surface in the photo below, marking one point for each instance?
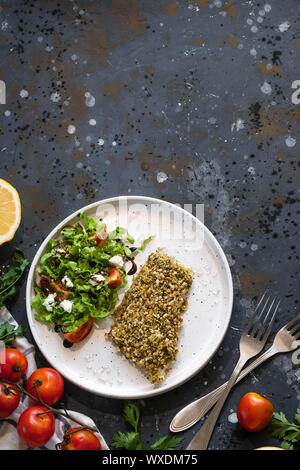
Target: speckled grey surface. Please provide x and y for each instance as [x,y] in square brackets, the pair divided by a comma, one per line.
[189,101]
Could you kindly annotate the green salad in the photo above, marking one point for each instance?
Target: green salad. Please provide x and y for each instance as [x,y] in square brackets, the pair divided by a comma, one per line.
[81,272]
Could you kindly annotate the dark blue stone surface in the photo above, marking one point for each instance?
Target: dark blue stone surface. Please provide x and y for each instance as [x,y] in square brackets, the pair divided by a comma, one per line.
[104,96]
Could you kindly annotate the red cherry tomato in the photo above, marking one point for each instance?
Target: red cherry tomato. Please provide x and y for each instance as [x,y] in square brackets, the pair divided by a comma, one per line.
[15,365]
[49,384]
[101,237]
[254,412]
[80,333]
[9,399]
[80,439]
[114,278]
[35,429]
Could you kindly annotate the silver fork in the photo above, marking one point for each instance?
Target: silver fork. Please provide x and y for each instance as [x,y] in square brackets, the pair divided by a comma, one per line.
[286,340]
[251,343]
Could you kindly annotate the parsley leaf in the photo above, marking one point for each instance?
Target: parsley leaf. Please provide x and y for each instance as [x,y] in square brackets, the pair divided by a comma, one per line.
[8,281]
[166,443]
[132,415]
[297,416]
[281,428]
[128,440]
[9,332]
[132,440]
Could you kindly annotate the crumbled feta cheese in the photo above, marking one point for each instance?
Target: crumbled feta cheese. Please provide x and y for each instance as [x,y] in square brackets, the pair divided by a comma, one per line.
[67,305]
[96,279]
[117,261]
[60,251]
[67,282]
[49,301]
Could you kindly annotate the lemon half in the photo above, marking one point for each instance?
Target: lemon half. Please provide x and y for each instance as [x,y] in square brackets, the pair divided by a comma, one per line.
[10,211]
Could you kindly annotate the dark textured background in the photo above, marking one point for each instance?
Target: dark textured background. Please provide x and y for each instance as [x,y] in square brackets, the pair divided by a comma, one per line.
[199,90]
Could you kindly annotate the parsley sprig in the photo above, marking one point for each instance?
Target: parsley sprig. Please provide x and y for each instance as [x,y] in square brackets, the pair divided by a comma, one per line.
[13,274]
[132,440]
[8,333]
[288,432]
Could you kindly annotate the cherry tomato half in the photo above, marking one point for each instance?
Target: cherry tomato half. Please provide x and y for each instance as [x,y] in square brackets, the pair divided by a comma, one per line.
[114,278]
[49,384]
[80,439]
[80,333]
[36,429]
[254,412]
[101,237]
[15,365]
[9,399]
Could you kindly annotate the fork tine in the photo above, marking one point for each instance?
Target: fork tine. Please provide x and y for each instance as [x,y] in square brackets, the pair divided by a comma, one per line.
[297,335]
[263,321]
[268,331]
[288,325]
[294,329]
[250,323]
[260,317]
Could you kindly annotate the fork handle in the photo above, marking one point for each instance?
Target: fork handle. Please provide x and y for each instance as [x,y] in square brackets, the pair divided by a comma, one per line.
[193,412]
[202,438]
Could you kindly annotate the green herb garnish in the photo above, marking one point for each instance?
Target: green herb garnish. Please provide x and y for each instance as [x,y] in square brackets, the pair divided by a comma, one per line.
[132,415]
[9,332]
[10,279]
[287,432]
[127,440]
[132,440]
[166,443]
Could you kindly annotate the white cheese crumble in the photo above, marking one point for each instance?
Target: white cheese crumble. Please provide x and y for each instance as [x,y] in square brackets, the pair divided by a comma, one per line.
[117,261]
[49,301]
[60,251]
[67,282]
[96,279]
[67,305]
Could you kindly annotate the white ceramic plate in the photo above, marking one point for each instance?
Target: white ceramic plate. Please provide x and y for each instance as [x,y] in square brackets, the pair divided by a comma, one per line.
[94,364]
